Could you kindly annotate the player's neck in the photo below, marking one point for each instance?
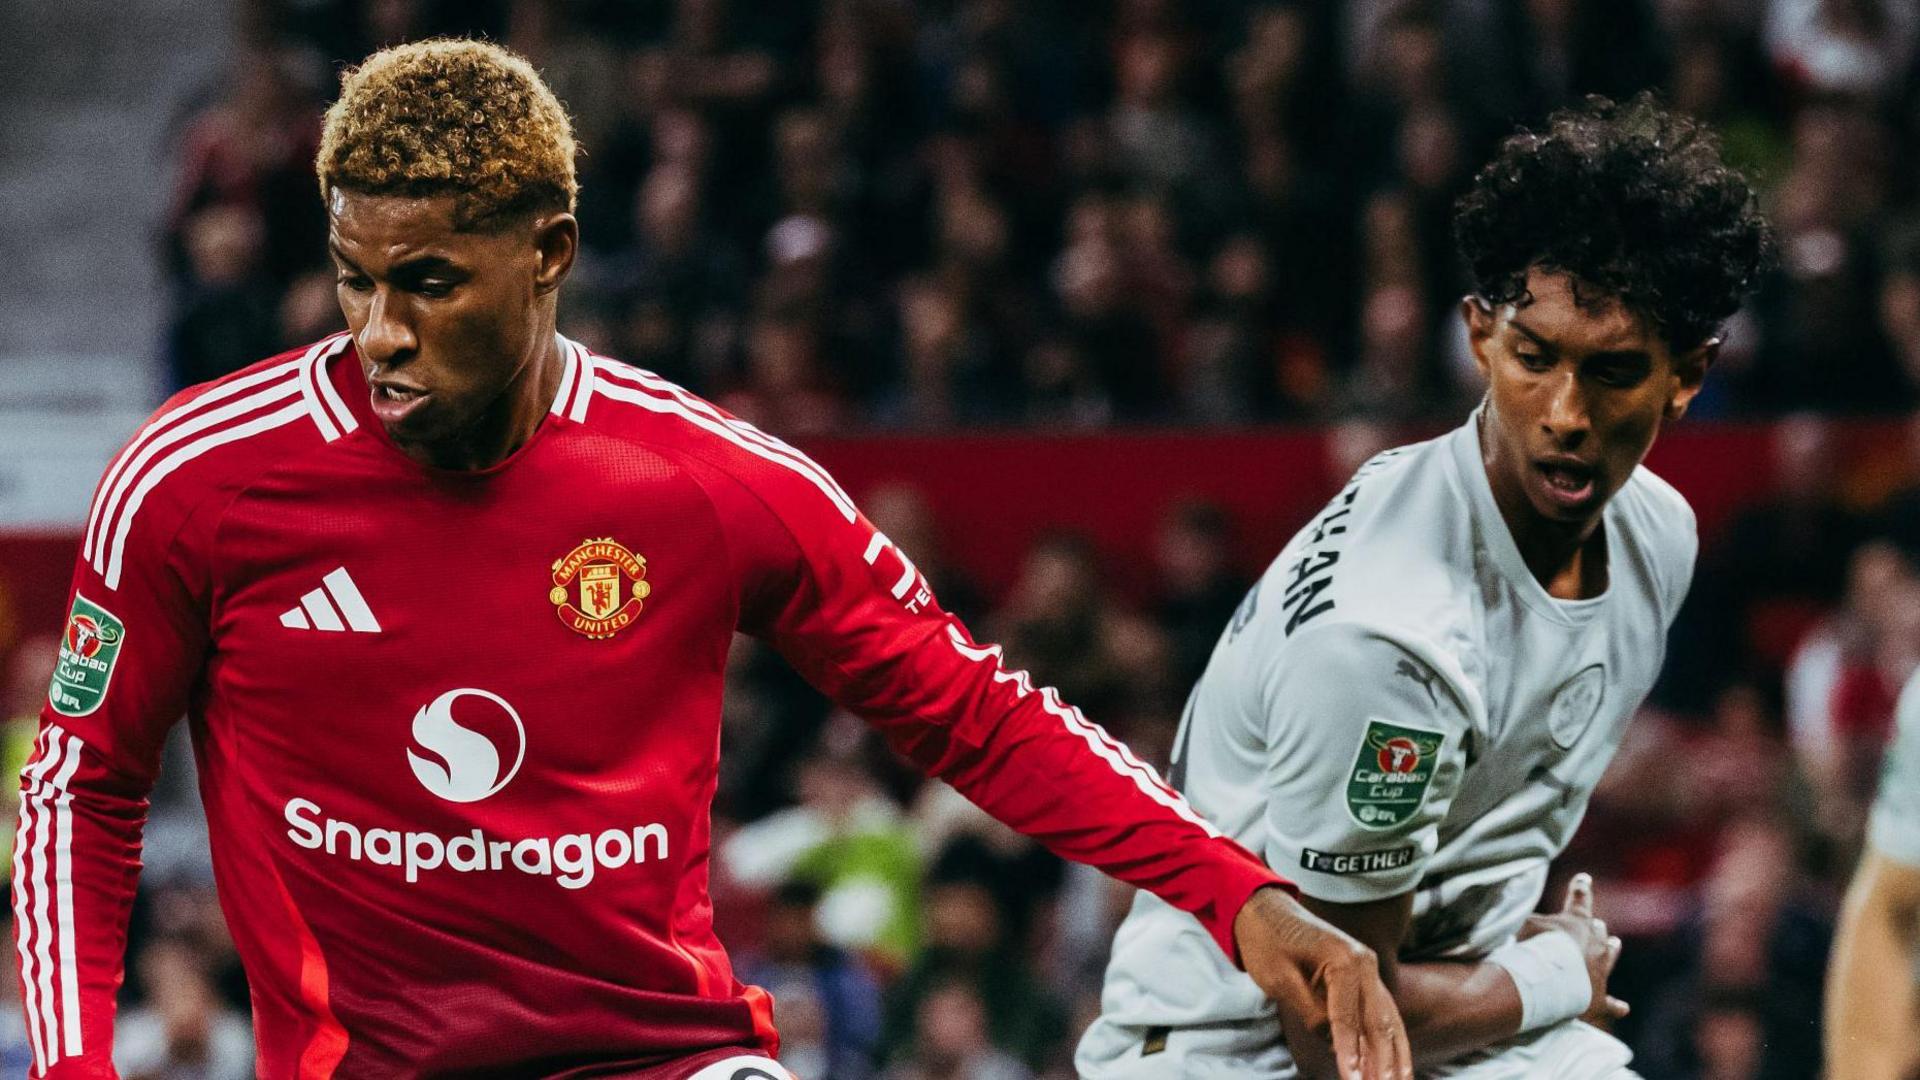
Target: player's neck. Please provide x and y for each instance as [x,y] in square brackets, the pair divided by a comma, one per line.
[1568,559]
[512,419]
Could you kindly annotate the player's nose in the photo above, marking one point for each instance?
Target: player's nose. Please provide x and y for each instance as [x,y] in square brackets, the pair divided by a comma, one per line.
[388,337]
[1566,416]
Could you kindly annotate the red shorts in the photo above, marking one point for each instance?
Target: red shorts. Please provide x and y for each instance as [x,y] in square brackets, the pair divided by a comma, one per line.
[725,1063]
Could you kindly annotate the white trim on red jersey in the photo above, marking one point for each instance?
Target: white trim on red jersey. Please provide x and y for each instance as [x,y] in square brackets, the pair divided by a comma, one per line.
[43,907]
[330,414]
[1105,746]
[629,384]
[569,376]
[202,426]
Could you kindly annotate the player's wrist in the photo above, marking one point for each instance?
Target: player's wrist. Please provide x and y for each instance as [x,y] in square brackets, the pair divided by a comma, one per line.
[1549,971]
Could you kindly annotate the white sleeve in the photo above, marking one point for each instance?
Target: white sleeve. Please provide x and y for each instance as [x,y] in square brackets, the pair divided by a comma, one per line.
[1894,829]
[1365,752]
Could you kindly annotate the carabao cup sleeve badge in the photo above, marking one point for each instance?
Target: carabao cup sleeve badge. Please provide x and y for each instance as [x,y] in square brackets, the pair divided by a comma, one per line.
[599,588]
[88,650]
[1391,774]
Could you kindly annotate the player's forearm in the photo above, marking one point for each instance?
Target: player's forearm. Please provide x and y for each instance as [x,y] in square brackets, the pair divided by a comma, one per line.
[1454,1008]
[76,858]
[1036,763]
[1450,1009]
[1872,1030]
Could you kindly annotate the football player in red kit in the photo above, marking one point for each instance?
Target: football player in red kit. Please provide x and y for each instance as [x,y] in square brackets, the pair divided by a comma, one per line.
[446,601]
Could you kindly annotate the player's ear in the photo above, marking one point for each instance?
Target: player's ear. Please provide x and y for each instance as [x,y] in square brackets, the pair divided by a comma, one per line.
[1689,374]
[1477,313]
[556,240]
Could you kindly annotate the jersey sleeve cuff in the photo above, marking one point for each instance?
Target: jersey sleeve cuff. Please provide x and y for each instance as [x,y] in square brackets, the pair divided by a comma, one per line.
[1358,877]
[1241,875]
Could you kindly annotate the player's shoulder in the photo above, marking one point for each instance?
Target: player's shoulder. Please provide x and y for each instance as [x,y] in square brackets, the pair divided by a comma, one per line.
[1382,573]
[1657,507]
[612,398]
[1358,653]
[214,436]
[1392,550]
[1658,525]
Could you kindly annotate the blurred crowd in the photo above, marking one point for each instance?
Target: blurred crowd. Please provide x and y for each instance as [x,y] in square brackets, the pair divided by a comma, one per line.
[929,213]
[924,214]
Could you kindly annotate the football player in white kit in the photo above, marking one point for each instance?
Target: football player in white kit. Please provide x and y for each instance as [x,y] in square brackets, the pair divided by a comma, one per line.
[1873,989]
[1410,710]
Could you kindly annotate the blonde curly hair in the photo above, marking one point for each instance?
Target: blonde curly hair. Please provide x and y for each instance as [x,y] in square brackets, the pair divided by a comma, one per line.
[455,117]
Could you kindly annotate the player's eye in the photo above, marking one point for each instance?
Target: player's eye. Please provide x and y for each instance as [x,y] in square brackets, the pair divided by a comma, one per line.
[1532,361]
[434,287]
[1620,374]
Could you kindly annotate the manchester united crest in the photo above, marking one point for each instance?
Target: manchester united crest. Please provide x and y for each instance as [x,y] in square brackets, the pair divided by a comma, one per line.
[599,588]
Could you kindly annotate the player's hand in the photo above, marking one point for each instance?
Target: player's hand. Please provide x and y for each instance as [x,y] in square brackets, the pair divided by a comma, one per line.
[1602,950]
[1326,982]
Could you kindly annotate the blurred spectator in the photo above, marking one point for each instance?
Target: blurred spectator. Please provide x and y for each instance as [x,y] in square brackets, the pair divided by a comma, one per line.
[845,838]
[23,691]
[228,315]
[1730,1036]
[1753,953]
[973,942]
[16,1049]
[1060,624]
[1901,515]
[310,310]
[785,388]
[253,152]
[1852,48]
[1200,584]
[951,1041]
[1779,564]
[827,1004]
[182,1032]
[1844,679]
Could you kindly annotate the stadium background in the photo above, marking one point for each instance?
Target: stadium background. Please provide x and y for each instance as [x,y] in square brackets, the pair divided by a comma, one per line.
[1091,304]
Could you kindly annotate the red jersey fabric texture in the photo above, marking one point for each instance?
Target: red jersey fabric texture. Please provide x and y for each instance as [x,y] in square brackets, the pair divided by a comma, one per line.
[458,732]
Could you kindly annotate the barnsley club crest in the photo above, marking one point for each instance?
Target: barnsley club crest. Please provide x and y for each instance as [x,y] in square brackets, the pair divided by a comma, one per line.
[599,587]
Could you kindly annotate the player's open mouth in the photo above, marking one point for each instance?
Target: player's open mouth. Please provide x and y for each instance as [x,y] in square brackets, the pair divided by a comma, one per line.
[393,402]
[1567,483]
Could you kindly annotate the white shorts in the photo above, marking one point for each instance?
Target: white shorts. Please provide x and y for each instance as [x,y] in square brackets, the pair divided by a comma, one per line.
[1570,1050]
[1244,1050]
[1254,1050]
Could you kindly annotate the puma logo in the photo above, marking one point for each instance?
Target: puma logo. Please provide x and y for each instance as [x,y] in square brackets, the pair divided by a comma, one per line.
[1420,675]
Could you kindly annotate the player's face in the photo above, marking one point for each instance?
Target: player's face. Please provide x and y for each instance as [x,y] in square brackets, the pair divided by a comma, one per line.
[1576,395]
[448,323]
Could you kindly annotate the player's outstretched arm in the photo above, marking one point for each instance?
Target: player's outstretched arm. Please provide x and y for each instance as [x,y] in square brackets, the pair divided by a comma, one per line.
[1873,1017]
[853,615]
[132,647]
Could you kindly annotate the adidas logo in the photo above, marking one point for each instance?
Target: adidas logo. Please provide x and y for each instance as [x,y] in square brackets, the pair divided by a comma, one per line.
[325,607]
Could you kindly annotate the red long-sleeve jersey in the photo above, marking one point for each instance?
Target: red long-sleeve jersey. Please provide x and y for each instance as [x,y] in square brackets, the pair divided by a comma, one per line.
[458,731]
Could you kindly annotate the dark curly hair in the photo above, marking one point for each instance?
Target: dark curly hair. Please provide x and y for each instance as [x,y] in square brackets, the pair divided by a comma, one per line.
[1631,201]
